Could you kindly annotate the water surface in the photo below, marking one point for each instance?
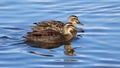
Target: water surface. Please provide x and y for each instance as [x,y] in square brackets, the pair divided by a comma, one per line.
[98,48]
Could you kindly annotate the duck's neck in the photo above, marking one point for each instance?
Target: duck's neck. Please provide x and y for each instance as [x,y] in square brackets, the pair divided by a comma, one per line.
[68,37]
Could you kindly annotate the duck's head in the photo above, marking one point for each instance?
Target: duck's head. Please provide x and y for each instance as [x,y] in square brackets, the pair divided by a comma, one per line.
[74,20]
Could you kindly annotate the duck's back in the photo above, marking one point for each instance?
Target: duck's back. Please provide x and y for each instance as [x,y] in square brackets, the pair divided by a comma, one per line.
[54,25]
[46,36]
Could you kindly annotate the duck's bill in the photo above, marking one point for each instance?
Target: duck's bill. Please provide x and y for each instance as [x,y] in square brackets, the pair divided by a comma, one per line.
[80,23]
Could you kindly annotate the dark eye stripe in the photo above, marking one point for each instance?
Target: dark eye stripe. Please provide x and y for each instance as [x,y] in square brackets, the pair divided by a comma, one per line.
[75,18]
[71,26]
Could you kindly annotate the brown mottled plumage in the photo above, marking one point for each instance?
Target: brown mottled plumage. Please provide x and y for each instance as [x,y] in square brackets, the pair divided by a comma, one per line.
[53,31]
[46,36]
[54,25]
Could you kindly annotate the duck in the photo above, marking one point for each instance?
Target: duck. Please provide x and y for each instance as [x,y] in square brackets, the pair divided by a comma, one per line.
[54,25]
[53,31]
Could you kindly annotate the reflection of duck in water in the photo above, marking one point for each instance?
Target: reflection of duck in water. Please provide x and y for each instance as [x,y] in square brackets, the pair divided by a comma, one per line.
[52,34]
[67,46]
[53,31]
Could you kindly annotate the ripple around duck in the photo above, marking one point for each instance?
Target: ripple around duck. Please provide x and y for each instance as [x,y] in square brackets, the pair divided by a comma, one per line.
[11,28]
[99,44]
[5,37]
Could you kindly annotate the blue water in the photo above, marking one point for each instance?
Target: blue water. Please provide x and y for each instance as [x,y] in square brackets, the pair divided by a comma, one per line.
[98,48]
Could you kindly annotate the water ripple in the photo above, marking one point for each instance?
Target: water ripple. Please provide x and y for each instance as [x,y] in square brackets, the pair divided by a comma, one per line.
[99,43]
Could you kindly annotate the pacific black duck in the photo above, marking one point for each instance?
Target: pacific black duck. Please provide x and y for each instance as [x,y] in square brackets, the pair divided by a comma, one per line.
[53,31]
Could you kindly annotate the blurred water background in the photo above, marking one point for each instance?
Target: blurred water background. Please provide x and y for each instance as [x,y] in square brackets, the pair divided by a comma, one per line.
[100,44]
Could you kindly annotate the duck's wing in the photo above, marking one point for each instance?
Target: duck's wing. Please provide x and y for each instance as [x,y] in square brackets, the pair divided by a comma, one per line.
[45,36]
[54,25]
[38,28]
[51,22]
